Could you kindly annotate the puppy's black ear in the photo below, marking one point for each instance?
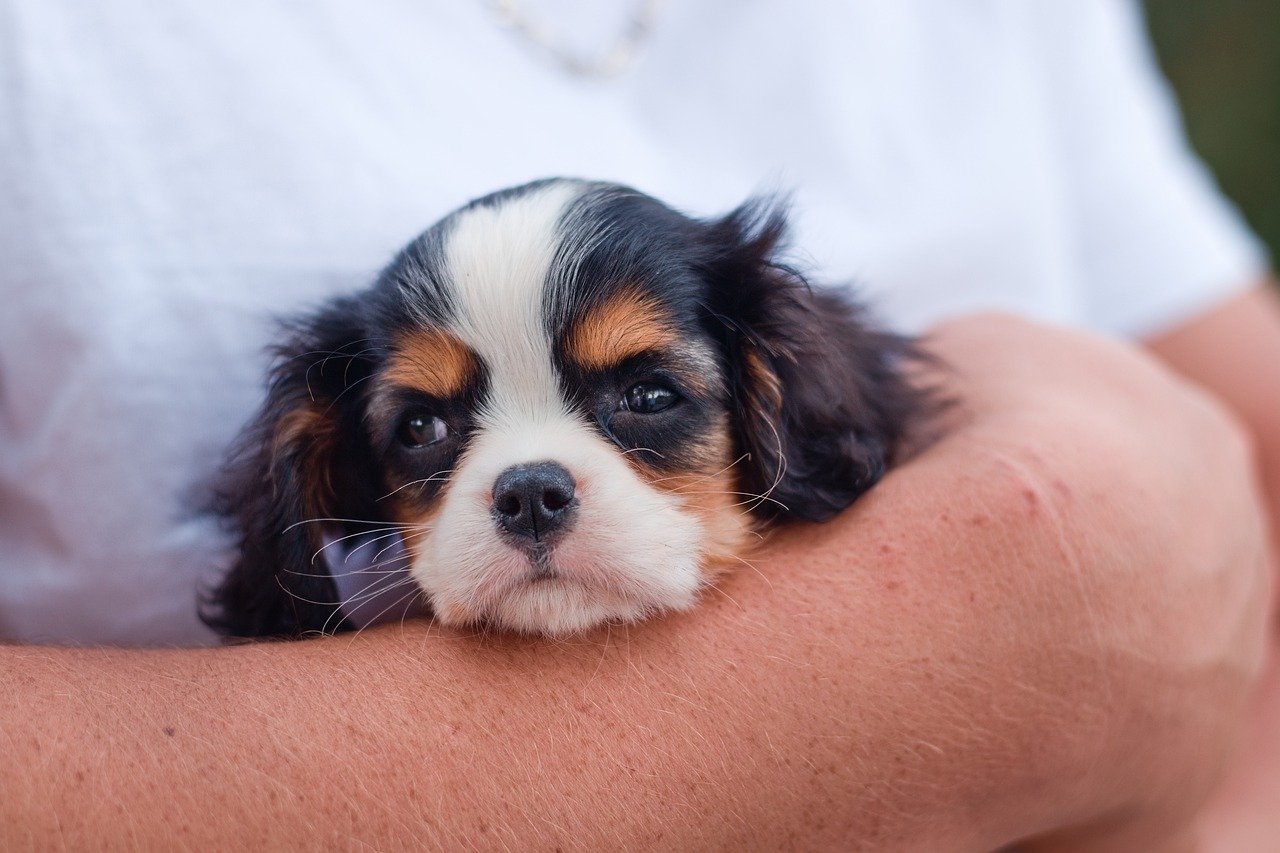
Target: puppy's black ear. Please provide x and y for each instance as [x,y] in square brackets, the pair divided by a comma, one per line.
[820,399]
[303,464]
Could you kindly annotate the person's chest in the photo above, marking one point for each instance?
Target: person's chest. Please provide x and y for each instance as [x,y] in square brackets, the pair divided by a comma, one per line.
[281,150]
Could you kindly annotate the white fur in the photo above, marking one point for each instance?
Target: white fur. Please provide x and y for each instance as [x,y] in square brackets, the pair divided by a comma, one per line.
[632,549]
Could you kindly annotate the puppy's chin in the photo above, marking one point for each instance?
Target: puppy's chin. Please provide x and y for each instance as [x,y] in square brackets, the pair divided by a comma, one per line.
[552,606]
[577,586]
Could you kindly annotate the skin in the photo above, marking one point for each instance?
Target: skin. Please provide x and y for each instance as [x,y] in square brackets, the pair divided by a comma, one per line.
[1234,350]
[1047,626]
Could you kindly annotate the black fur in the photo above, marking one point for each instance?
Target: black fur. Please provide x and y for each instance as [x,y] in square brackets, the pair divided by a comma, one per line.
[273,490]
[820,399]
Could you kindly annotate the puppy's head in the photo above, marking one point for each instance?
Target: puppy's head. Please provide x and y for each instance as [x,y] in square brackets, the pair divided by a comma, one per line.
[571,403]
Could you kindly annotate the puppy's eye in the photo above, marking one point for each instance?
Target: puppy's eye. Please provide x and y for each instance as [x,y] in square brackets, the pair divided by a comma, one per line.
[648,398]
[419,429]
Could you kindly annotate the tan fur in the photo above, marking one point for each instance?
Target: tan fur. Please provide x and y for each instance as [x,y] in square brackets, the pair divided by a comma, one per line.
[308,432]
[762,379]
[404,511]
[712,495]
[625,325]
[433,361]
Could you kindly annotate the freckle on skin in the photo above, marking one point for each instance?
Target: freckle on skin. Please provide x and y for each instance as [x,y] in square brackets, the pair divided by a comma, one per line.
[1032,499]
[892,584]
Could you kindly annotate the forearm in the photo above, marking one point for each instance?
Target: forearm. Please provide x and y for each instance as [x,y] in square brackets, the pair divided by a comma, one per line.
[855,688]
[956,660]
[1234,352]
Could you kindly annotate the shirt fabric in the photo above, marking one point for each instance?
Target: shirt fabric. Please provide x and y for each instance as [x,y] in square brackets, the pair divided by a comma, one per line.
[175,173]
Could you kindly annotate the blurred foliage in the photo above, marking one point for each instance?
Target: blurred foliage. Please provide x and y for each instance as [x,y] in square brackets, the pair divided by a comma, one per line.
[1223,58]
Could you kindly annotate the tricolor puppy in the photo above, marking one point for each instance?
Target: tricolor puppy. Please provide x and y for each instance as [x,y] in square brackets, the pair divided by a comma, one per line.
[564,404]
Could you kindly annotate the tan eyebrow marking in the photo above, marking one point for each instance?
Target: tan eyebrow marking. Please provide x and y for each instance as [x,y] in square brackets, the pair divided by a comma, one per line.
[433,361]
[624,325]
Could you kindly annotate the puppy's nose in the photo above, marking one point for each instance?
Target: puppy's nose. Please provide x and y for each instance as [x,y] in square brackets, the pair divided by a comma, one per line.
[533,501]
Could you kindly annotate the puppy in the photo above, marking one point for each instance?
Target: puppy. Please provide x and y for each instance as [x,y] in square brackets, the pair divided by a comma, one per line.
[562,405]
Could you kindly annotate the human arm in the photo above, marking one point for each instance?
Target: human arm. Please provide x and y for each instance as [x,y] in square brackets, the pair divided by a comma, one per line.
[1233,351]
[1157,246]
[1032,625]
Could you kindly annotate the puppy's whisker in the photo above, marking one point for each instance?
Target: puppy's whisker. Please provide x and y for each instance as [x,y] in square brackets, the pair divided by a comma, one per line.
[346,371]
[344,391]
[382,525]
[379,342]
[366,570]
[750,566]
[418,534]
[378,588]
[298,597]
[422,593]
[704,477]
[716,587]
[395,535]
[337,611]
[329,544]
[439,477]
[332,354]
[782,467]
[402,600]
[343,607]
[341,539]
[644,450]
[754,497]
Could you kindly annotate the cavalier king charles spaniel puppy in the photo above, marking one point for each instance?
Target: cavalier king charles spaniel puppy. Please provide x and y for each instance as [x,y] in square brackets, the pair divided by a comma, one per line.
[564,404]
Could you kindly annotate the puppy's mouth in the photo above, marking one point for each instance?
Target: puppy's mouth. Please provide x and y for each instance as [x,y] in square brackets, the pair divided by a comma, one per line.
[549,566]
[541,566]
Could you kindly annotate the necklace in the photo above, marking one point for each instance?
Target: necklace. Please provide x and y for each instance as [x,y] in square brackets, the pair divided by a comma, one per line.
[620,56]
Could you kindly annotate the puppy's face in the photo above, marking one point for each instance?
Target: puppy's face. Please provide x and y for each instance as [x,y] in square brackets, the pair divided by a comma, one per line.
[573,403]
[552,415]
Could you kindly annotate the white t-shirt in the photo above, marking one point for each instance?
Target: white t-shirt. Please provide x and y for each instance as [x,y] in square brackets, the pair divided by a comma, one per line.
[172,174]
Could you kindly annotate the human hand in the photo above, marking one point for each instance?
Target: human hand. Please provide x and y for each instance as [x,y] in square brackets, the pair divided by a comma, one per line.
[1179,629]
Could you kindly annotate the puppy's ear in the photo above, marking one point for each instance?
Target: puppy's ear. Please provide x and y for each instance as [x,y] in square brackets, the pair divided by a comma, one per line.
[303,466]
[820,399]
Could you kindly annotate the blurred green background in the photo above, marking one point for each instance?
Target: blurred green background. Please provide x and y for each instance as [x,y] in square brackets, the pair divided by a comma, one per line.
[1223,58]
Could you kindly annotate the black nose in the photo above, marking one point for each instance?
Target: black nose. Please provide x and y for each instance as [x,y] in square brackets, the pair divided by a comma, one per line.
[535,500]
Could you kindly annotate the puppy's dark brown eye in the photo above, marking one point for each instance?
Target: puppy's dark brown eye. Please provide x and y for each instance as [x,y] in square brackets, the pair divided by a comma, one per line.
[647,398]
[419,429]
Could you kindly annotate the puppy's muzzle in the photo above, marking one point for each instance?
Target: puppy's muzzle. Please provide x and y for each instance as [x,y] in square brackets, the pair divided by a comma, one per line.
[534,502]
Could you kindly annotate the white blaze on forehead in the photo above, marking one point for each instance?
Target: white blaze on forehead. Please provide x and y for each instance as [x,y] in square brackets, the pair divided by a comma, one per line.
[498,259]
